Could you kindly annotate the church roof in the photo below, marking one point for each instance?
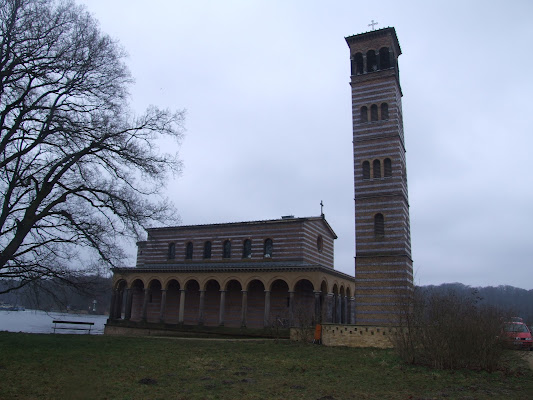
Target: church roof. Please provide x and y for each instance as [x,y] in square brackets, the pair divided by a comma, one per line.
[375,34]
[283,220]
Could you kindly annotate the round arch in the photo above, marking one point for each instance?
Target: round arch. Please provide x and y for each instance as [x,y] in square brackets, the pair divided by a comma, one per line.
[211,302]
[233,303]
[304,303]
[255,310]
[279,302]
[192,301]
[137,299]
[171,315]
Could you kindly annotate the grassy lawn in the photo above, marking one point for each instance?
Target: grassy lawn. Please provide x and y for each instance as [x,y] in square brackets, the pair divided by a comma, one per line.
[104,367]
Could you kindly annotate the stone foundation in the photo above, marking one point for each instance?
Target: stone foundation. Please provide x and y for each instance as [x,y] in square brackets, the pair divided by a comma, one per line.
[351,335]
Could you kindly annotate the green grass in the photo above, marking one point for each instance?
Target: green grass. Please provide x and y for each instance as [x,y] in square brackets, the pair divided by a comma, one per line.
[107,367]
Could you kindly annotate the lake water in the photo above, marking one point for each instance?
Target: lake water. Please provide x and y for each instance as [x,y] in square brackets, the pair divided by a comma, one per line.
[34,321]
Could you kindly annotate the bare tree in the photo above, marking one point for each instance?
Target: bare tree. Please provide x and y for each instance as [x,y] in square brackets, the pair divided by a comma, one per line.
[78,171]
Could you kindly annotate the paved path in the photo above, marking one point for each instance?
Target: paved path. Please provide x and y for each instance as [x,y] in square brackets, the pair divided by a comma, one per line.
[218,339]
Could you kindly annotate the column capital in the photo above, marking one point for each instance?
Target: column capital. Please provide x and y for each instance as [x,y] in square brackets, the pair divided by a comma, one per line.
[244,291]
[317,292]
[183,290]
[267,291]
[222,291]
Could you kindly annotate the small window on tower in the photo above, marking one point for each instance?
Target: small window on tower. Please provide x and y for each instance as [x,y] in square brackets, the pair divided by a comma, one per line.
[377,169]
[371,61]
[384,111]
[387,167]
[384,58]
[373,112]
[319,243]
[364,114]
[366,170]
[358,61]
[379,226]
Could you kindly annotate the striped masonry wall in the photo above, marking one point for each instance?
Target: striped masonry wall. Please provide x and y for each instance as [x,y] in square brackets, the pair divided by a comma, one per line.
[383,271]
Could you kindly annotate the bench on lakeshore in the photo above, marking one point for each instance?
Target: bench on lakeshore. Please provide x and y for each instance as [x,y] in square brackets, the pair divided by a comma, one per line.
[73,325]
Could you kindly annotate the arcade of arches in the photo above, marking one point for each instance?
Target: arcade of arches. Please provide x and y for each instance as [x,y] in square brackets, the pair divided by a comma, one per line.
[237,298]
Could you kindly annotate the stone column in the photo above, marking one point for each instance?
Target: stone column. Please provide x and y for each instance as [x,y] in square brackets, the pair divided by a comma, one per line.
[267,309]
[318,311]
[338,308]
[201,308]
[181,315]
[163,306]
[118,304]
[291,308]
[330,298]
[346,318]
[112,311]
[145,304]
[352,310]
[129,301]
[244,308]
[222,307]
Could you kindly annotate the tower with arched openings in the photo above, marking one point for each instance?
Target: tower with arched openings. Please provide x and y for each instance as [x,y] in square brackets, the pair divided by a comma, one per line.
[383,263]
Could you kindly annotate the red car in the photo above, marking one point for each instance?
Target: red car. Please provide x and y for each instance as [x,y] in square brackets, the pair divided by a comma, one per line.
[518,335]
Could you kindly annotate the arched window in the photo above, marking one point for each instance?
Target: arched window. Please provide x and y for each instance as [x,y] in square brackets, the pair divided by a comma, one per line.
[384,58]
[171,251]
[373,112]
[387,168]
[358,61]
[384,111]
[366,170]
[371,61]
[319,243]
[247,249]
[207,250]
[227,249]
[269,247]
[364,114]
[188,251]
[379,226]
[377,169]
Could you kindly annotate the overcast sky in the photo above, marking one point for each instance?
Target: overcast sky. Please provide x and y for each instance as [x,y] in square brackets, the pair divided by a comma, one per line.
[266,88]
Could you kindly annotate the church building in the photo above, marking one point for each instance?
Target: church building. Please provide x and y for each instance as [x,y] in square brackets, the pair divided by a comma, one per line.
[249,274]
[280,272]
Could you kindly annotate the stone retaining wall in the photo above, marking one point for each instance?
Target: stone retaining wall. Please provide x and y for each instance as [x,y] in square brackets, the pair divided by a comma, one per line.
[351,335]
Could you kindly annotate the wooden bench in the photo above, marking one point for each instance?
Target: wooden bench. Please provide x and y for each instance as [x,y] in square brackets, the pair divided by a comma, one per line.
[87,325]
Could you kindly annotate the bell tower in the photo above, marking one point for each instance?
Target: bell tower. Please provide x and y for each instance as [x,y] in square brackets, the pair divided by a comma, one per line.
[383,264]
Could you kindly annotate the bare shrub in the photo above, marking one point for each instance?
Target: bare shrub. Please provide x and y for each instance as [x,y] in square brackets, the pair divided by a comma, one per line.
[449,331]
[304,322]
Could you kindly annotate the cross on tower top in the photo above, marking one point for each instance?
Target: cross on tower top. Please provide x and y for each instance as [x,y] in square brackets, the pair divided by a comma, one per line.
[372,24]
[321,208]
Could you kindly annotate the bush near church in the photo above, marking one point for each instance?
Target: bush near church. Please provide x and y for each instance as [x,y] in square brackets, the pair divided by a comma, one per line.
[449,331]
